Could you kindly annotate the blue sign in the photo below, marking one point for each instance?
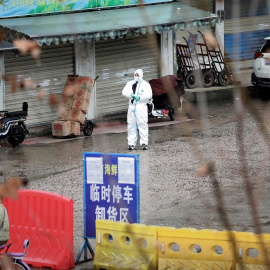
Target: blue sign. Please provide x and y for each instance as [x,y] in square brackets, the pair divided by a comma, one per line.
[111,189]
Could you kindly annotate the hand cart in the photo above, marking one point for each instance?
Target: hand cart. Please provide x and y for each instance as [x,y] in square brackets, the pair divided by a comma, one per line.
[221,69]
[88,126]
[187,68]
[204,63]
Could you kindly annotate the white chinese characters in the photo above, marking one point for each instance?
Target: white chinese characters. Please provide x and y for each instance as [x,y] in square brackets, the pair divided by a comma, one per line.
[116,195]
[112,213]
[106,193]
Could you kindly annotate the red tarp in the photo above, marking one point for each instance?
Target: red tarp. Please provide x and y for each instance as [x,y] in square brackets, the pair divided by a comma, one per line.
[167,91]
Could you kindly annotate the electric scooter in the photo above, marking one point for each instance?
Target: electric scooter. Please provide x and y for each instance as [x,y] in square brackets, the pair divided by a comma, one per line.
[168,111]
[12,126]
[167,96]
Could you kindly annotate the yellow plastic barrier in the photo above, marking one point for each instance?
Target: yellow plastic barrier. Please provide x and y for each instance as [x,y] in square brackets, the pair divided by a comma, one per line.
[194,249]
[121,245]
[250,249]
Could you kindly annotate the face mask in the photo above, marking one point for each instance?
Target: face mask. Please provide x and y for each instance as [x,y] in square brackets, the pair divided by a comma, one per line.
[136,79]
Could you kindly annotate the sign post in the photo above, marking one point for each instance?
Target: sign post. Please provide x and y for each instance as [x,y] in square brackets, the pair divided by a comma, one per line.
[111,191]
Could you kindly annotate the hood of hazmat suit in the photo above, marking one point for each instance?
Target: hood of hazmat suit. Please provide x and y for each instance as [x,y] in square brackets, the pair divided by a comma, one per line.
[140,73]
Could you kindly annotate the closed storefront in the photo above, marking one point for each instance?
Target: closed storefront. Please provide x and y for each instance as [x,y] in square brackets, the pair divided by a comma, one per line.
[124,40]
[183,36]
[116,61]
[246,26]
[50,76]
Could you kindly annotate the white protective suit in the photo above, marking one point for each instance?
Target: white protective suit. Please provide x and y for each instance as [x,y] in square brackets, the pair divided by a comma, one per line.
[138,112]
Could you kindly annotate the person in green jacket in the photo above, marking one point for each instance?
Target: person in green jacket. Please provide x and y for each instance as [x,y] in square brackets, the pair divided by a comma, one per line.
[4,224]
[8,190]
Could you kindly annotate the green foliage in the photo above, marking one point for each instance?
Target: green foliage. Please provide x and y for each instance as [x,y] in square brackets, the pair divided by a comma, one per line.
[91,4]
[52,8]
[109,3]
[3,4]
[39,9]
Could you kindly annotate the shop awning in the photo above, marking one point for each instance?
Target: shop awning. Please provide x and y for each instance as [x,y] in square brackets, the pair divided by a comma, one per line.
[111,23]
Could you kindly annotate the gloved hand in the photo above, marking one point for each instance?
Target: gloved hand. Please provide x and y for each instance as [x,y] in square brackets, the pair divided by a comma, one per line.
[132,96]
[137,98]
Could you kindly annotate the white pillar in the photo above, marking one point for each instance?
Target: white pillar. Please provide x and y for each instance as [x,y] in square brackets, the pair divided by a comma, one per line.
[167,53]
[85,65]
[2,84]
[219,32]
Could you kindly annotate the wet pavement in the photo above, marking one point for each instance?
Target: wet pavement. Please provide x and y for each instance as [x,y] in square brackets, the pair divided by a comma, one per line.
[171,194]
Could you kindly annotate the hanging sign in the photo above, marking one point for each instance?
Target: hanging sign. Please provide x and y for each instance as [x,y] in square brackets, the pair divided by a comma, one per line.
[11,8]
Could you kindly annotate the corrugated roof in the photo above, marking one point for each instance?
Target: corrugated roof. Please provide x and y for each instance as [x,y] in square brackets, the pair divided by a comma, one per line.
[110,23]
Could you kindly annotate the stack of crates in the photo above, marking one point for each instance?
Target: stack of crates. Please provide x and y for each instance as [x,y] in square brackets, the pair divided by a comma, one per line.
[76,107]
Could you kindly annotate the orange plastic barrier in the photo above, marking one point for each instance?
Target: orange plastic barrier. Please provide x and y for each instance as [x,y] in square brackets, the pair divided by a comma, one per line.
[46,219]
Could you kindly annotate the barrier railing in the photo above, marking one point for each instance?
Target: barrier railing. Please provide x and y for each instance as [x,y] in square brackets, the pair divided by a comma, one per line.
[121,245]
[189,248]
[253,250]
[46,219]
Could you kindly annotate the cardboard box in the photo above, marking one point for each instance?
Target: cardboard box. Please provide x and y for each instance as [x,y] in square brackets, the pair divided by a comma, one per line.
[72,79]
[61,128]
[82,93]
[63,115]
[68,103]
[80,104]
[75,128]
[69,90]
[84,81]
[77,115]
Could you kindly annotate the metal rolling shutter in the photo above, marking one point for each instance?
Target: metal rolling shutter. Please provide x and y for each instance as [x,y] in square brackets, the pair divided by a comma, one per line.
[245,31]
[246,8]
[57,61]
[116,62]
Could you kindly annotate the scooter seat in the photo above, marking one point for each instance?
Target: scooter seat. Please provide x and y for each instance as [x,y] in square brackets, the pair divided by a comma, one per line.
[15,254]
[16,114]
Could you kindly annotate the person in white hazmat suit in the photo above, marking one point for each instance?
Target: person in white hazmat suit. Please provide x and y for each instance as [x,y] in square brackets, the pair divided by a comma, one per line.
[138,92]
